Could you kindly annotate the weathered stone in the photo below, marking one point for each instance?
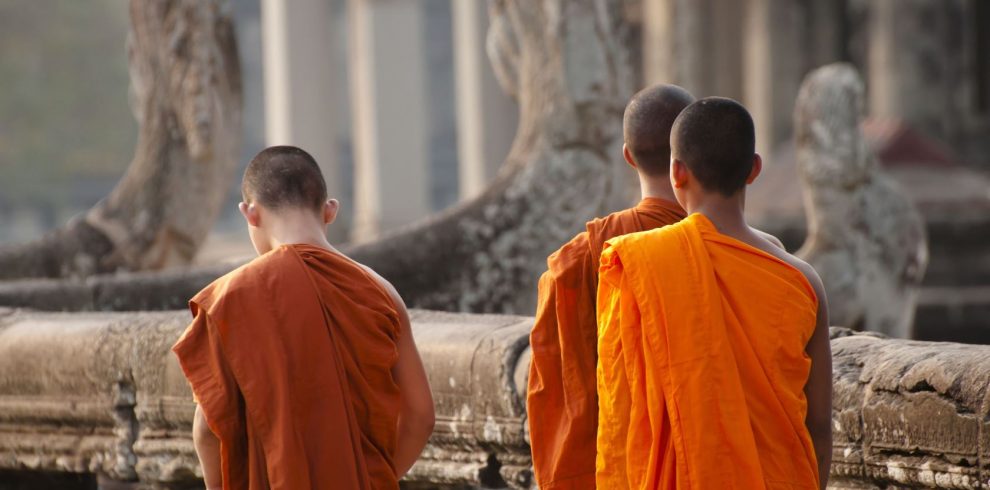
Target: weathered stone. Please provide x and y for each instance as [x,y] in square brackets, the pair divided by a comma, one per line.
[132,291]
[865,237]
[102,393]
[909,413]
[569,64]
[88,393]
[186,96]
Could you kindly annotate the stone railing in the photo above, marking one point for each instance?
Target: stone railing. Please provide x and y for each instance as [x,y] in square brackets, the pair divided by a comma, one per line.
[909,413]
[100,393]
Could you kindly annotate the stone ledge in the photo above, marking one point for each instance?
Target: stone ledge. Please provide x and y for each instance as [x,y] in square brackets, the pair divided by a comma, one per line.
[910,413]
[100,393]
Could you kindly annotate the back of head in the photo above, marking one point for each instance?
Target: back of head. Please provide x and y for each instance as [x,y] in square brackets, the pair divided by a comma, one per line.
[646,125]
[284,177]
[716,139]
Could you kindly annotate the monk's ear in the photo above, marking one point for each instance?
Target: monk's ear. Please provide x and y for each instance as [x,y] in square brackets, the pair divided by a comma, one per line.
[757,168]
[330,209]
[250,213]
[628,156]
[678,174]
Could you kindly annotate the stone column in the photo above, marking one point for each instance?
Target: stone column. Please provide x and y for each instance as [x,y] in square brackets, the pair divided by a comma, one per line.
[727,31]
[677,42]
[828,26]
[388,93]
[773,66]
[914,59]
[299,82]
[486,116]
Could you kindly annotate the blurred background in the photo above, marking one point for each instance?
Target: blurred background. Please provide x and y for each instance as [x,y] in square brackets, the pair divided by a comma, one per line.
[67,133]
[410,83]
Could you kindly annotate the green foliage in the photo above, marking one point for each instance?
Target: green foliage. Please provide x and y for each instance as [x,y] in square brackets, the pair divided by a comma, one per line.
[64,116]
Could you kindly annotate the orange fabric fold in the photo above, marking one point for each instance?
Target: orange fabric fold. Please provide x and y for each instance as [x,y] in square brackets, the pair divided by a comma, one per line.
[290,359]
[562,403]
[702,364]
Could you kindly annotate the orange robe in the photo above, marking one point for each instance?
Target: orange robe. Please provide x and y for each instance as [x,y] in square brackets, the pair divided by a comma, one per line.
[561,402]
[290,359]
[702,364]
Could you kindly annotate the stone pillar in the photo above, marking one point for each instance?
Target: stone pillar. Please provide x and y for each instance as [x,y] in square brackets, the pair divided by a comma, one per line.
[677,42]
[486,116]
[828,26]
[914,59]
[887,82]
[727,34]
[299,82]
[773,55]
[387,62]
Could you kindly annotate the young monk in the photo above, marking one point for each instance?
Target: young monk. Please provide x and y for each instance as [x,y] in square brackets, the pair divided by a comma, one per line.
[714,364]
[302,362]
[562,402]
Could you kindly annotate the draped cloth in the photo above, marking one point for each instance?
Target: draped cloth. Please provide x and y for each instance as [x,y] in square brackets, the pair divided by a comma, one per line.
[290,359]
[702,364]
[562,403]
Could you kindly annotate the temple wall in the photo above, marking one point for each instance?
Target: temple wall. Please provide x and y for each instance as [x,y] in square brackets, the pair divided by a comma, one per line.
[100,393]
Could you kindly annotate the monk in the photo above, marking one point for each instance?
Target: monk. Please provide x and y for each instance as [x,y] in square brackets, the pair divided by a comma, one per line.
[302,362]
[714,363]
[562,403]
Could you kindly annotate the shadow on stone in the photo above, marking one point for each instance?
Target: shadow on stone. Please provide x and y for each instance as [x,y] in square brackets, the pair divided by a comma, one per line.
[489,476]
[31,480]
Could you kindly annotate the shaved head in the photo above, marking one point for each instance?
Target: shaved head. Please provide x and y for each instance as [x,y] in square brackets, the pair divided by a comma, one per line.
[284,177]
[646,125]
[716,139]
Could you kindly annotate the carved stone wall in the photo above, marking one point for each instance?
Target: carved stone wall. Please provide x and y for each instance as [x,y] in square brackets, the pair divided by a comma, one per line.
[100,393]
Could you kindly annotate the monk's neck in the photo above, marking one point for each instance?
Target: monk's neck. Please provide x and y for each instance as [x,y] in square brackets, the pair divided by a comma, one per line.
[316,240]
[656,187]
[725,213]
[297,229]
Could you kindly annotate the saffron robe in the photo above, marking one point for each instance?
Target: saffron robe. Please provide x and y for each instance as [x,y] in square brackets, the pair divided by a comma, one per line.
[702,364]
[561,402]
[290,359]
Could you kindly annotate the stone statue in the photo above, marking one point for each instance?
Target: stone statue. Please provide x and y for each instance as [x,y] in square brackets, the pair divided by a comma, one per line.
[570,65]
[186,97]
[865,237]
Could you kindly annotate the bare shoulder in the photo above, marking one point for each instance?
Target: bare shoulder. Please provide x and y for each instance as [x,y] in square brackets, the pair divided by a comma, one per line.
[768,237]
[809,272]
[772,247]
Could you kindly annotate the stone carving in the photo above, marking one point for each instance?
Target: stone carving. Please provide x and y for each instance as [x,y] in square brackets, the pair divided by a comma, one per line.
[909,414]
[186,97]
[569,64]
[865,237]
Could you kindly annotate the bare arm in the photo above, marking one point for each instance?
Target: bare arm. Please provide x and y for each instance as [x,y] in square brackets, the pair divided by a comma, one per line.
[208,449]
[416,417]
[819,388]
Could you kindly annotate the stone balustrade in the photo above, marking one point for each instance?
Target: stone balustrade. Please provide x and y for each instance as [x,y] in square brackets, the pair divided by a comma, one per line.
[909,413]
[100,393]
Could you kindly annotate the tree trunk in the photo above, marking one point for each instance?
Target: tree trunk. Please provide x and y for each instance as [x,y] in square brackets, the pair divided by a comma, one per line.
[186,96]
[569,64]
